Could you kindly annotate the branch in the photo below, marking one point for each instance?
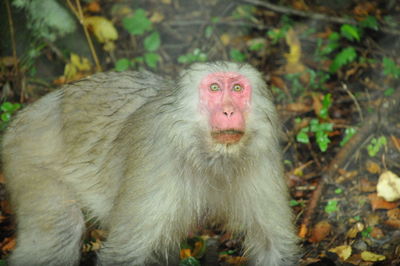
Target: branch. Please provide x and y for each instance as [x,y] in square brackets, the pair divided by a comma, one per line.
[310,15]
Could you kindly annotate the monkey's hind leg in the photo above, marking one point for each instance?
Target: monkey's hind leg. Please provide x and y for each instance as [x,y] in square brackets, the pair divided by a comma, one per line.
[50,223]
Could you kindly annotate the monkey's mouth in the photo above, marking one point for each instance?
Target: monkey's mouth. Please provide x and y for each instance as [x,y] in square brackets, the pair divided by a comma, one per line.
[228,136]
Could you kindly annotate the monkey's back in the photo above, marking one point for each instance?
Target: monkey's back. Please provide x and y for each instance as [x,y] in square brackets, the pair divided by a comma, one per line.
[70,132]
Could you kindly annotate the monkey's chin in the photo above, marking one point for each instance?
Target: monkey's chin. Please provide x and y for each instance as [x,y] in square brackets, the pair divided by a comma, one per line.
[230,136]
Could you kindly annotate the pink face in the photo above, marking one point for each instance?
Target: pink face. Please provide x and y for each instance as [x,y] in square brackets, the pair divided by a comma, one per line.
[225,97]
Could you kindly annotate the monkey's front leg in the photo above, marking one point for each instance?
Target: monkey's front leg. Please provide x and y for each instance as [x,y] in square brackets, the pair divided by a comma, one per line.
[272,242]
[144,230]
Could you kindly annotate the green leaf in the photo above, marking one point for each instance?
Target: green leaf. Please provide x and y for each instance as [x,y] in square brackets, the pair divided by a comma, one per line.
[151,59]
[6,107]
[370,22]
[326,104]
[293,203]
[390,68]
[331,206]
[138,23]
[209,31]
[191,261]
[122,64]
[322,140]
[302,137]
[389,92]
[152,42]
[5,117]
[338,191]
[350,32]
[349,132]
[346,56]
[237,55]
[196,56]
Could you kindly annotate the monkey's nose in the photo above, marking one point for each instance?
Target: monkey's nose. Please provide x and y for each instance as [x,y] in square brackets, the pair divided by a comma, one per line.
[228,113]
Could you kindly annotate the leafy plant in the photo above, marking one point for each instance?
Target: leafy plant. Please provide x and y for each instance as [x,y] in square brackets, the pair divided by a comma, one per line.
[349,132]
[370,22]
[350,32]
[375,145]
[331,206]
[326,104]
[237,55]
[123,64]
[346,56]
[276,34]
[318,79]
[366,232]
[196,56]
[138,23]
[7,110]
[390,68]
[320,131]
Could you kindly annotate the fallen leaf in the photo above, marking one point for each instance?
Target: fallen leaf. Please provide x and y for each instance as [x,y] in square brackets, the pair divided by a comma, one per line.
[225,39]
[380,203]
[370,256]
[298,107]
[185,253]
[388,186]
[354,230]
[320,231]
[102,28]
[157,17]
[344,252]
[8,244]
[377,233]
[93,7]
[373,167]
[367,186]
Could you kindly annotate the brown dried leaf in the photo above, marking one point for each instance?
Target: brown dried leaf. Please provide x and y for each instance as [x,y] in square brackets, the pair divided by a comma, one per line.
[373,167]
[320,231]
[379,203]
[367,186]
[377,233]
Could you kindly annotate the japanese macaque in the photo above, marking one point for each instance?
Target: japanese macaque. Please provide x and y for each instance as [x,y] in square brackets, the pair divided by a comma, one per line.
[150,159]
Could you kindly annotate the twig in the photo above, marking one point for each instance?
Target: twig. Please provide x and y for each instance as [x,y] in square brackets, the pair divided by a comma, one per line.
[19,80]
[79,14]
[371,123]
[310,15]
[344,86]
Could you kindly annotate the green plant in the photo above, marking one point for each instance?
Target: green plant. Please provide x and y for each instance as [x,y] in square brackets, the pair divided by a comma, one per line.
[138,23]
[196,56]
[326,104]
[349,132]
[344,57]
[390,68]
[375,145]
[320,131]
[237,55]
[123,64]
[7,110]
[276,34]
[366,232]
[331,206]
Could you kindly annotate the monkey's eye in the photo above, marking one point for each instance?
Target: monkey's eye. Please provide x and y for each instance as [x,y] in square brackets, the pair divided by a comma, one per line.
[237,88]
[214,87]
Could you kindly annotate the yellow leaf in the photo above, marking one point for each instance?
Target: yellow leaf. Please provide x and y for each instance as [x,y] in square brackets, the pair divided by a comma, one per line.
[344,252]
[166,2]
[225,39]
[102,28]
[370,256]
[82,64]
[157,17]
[293,42]
[185,253]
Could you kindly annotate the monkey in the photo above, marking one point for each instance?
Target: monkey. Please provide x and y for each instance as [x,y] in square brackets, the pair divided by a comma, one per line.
[150,159]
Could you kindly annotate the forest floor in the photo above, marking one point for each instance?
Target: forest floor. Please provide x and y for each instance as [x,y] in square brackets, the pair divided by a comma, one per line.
[334,70]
